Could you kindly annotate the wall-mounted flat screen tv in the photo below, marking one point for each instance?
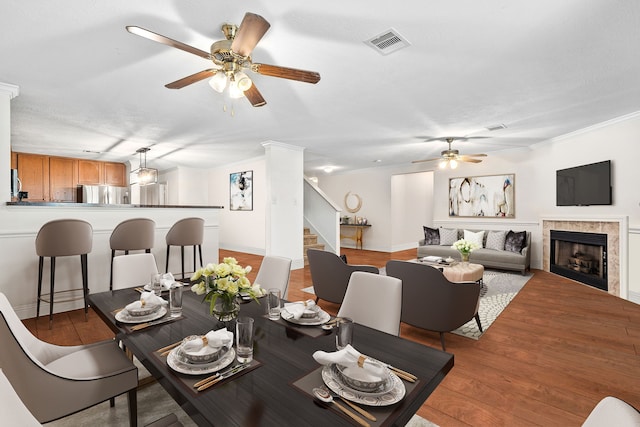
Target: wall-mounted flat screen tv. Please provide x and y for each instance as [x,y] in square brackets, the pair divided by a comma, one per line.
[584,185]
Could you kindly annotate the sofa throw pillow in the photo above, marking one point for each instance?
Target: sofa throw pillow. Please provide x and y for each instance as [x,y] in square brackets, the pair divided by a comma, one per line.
[475,237]
[431,236]
[495,240]
[514,242]
[448,236]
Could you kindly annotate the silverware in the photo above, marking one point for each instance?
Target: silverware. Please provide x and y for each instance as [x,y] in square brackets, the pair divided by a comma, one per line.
[155,322]
[165,350]
[361,411]
[214,376]
[407,376]
[230,373]
[325,397]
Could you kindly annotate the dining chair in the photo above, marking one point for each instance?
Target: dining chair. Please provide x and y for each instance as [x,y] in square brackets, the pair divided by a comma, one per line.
[330,275]
[133,270]
[55,381]
[135,234]
[373,300]
[59,238]
[13,411]
[186,232]
[611,411]
[430,301]
[274,273]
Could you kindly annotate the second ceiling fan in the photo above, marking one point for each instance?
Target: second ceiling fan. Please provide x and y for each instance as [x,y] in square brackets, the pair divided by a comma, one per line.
[451,157]
[231,58]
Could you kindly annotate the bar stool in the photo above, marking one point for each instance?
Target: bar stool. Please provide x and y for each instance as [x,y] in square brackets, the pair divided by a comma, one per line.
[134,234]
[63,237]
[186,232]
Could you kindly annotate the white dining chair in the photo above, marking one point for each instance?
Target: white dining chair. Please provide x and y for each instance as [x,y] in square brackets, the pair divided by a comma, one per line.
[611,411]
[13,411]
[373,300]
[274,273]
[133,270]
[55,381]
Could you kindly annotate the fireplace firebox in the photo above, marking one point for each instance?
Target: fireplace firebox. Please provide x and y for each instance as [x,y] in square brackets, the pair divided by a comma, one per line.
[580,256]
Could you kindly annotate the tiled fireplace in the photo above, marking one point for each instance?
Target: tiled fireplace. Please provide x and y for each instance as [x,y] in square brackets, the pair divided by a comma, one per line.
[588,251]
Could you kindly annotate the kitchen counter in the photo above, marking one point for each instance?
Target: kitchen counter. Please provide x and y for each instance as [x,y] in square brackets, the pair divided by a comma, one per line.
[97,205]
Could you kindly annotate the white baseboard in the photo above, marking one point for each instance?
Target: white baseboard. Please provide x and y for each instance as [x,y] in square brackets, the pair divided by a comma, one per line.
[634,297]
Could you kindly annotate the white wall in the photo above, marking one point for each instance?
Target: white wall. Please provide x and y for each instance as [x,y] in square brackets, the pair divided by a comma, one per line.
[411,208]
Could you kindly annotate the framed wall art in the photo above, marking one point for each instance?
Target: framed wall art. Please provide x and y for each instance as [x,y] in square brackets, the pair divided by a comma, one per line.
[482,196]
[241,191]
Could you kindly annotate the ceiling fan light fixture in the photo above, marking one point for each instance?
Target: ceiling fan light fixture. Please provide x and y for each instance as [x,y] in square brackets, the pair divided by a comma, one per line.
[453,163]
[234,90]
[243,81]
[443,164]
[218,82]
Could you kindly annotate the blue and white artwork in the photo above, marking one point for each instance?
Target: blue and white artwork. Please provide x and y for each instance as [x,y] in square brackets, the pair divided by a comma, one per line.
[241,191]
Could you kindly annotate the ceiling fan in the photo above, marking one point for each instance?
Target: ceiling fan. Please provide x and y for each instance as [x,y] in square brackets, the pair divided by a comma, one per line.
[451,157]
[231,57]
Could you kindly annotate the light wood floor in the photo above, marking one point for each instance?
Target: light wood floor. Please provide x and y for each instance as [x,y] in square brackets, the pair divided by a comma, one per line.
[556,350]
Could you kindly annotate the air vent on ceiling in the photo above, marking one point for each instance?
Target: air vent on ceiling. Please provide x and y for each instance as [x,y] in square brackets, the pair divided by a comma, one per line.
[387,42]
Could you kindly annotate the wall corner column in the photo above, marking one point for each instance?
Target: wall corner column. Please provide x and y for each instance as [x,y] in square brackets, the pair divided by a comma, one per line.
[7,93]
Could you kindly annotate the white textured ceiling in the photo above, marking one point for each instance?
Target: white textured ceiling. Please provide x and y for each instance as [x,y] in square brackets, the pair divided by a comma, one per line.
[543,68]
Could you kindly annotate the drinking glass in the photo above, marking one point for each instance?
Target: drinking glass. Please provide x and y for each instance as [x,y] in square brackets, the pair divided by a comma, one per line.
[156,283]
[344,336]
[175,299]
[273,303]
[244,339]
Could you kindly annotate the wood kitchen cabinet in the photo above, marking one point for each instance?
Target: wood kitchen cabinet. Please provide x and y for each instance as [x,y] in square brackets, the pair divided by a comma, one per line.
[115,174]
[33,172]
[63,179]
[90,172]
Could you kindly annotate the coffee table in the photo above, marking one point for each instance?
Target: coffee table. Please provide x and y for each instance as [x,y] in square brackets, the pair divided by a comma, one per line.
[272,394]
[459,271]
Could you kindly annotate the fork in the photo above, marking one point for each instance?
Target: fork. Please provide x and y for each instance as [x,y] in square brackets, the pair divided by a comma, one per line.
[355,407]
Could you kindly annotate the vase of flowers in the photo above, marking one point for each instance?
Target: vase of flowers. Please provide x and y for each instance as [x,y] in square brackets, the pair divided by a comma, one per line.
[465,247]
[221,284]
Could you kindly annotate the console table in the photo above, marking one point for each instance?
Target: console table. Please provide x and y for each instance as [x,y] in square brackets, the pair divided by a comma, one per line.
[357,236]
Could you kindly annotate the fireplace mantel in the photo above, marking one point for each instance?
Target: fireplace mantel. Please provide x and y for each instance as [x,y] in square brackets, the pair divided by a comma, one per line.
[615,227]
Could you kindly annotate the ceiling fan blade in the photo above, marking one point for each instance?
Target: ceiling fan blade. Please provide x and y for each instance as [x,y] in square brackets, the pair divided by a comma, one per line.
[475,155]
[166,40]
[254,96]
[287,73]
[427,160]
[468,159]
[193,78]
[251,30]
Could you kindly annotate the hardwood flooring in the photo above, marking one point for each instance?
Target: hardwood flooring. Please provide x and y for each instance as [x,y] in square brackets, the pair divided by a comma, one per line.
[556,350]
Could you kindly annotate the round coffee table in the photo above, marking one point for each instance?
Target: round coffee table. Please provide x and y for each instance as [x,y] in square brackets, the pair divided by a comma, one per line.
[464,272]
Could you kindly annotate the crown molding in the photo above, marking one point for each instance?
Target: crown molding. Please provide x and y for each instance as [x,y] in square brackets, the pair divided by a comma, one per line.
[11,90]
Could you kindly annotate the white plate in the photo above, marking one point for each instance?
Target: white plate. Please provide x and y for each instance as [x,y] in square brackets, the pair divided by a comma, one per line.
[199,368]
[396,392]
[147,288]
[124,316]
[323,317]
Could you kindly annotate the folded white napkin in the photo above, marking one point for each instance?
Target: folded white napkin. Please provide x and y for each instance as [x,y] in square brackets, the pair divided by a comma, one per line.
[294,310]
[146,299]
[349,358]
[213,339]
[167,280]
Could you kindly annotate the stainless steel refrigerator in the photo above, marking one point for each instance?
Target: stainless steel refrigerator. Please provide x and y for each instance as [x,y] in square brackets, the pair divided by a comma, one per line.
[103,194]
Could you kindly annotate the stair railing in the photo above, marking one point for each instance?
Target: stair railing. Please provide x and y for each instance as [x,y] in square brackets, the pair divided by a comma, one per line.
[323,215]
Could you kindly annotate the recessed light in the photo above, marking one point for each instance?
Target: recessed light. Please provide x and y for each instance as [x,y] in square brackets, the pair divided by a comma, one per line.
[496,127]
[377,161]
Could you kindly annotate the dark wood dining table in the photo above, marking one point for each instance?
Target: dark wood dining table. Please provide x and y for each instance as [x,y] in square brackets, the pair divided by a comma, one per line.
[273,393]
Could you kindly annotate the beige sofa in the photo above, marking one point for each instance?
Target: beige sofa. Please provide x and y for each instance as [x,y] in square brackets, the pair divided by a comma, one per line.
[490,258]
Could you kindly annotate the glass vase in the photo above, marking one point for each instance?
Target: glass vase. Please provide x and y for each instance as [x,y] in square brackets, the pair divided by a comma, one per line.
[465,257]
[226,309]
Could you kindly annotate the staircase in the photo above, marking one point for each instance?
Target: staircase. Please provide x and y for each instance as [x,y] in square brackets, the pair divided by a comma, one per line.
[310,241]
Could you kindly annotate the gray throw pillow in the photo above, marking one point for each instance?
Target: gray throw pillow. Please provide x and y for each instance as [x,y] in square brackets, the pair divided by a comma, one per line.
[448,236]
[495,240]
[431,236]
[514,242]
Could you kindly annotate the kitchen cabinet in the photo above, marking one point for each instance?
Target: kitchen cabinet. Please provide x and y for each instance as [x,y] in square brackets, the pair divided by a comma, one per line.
[63,179]
[115,174]
[33,172]
[90,172]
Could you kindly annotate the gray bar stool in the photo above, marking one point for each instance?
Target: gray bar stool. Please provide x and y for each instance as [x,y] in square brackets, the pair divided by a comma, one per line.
[186,232]
[134,234]
[63,237]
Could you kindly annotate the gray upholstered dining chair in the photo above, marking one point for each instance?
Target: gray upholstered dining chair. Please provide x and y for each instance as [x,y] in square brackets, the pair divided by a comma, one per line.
[330,274]
[430,301]
[133,270]
[186,232]
[274,273]
[135,234]
[55,381]
[58,238]
[13,411]
[373,300]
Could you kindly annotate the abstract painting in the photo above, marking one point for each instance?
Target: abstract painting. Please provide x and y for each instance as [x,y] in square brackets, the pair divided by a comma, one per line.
[484,196]
[241,191]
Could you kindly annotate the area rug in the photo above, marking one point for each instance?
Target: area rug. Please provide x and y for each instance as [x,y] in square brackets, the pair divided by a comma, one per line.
[153,403]
[498,290]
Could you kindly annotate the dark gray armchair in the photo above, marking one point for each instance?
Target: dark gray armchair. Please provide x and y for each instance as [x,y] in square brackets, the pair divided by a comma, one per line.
[330,274]
[432,302]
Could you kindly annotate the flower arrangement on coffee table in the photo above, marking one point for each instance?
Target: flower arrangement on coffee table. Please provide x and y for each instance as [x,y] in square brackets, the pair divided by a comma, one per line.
[465,247]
